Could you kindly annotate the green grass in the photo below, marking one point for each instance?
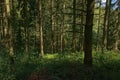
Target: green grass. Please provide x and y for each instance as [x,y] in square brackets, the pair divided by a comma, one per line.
[68,66]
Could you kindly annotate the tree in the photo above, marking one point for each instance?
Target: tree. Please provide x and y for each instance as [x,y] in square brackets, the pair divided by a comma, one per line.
[25,17]
[52,26]
[40,27]
[74,26]
[106,24]
[98,30]
[10,32]
[116,32]
[88,33]
[2,22]
[8,28]
[62,29]
[81,40]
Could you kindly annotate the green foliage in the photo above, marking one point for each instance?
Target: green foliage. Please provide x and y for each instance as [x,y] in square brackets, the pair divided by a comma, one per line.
[62,66]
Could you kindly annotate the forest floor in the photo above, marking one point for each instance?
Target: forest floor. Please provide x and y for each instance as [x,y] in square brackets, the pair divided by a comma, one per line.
[67,66]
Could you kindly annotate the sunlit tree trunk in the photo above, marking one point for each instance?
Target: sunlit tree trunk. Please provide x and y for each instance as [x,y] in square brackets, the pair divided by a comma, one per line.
[9,34]
[117,41]
[41,27]
[88,33]
[8,30]
[117,35]
[62,30]
[6,13]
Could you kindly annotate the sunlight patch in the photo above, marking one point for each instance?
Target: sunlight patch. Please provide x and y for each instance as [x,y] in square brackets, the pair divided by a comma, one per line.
[50,56]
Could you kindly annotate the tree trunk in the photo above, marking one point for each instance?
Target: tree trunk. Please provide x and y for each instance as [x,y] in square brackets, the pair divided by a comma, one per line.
[62,30]
[6,13]
[40,27]
[52,26]
[1,21]
[9,34]
[106,25]
[81,37]
[88,33]
[117,37]
[9,28]
[26,26]
[98,30]
[74,27]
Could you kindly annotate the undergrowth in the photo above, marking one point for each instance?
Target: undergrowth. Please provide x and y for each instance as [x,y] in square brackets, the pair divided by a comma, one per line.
[67,66]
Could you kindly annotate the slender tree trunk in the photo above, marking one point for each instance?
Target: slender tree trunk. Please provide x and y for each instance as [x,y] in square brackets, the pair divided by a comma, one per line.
[62,31]
[52,26]
[81,37]
[9,34]
[35,38]
[0,28]
[41,28]
[117,37]
[2,22]
[11,27]
[109,20]
[6,13]
[88,33]
[74,27]
[106,24]
[98,30]
[26,26]
[116,42]
[57,26]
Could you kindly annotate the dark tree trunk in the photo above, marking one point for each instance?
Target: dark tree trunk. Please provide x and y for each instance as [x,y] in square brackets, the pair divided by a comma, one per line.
[88,33]
[74,27]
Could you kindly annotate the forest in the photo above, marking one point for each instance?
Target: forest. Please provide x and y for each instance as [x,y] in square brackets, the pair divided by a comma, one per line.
[59,39]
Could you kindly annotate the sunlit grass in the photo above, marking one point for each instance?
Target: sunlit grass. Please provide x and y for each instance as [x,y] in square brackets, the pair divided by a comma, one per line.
[50,56]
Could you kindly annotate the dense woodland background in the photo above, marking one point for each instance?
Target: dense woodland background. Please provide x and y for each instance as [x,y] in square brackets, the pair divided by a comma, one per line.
[59,39]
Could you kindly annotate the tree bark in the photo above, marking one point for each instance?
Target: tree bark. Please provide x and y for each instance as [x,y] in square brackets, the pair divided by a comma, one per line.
[74,27]
[62,30]
[98,30]
[41,28]
[88,33]
[117,37]
[81,37]
[106,25]
[26,26]
[52,27]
